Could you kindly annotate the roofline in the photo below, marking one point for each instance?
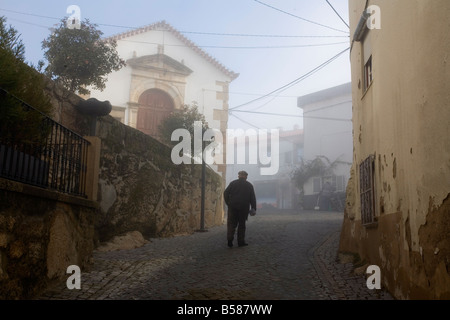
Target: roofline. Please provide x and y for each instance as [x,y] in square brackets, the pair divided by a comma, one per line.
[325,94]
[163,24]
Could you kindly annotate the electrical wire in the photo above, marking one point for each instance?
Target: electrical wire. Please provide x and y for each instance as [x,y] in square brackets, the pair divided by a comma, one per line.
[30,23]
[240,47]
[294,82]
[293,15]
[291,115]
[338,14]
[262,35]
[190,32]
[256,127]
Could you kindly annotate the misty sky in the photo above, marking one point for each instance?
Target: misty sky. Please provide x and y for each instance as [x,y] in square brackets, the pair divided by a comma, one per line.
[272,44]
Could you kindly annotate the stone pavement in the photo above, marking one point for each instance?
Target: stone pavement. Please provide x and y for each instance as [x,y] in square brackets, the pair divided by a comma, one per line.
[291,256]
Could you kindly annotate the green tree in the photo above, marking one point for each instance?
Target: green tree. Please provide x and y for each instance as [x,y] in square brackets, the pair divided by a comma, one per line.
[79,58]
[10,40]
[321,166]
[19,81]
[181,119]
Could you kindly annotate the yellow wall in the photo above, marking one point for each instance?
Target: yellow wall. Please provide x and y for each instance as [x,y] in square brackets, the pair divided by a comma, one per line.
[404,120]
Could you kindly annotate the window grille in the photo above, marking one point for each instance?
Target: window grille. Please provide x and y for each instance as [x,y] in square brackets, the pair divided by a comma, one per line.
[367,190]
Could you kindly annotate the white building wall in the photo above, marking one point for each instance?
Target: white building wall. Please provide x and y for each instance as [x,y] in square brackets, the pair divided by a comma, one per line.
[201,84]
[328,129]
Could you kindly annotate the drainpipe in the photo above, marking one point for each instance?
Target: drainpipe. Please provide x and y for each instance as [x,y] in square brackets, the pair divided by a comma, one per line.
[361,27]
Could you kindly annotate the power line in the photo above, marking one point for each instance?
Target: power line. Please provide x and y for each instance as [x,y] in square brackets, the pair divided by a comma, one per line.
[252,125]
[293,15]
[191,32]
[252,94]
[30,14]
[241,47]
[327,107]
[30,23]
[244,121]
[338,14]
[294,82]
[291,115]
[262,35]
[201,46]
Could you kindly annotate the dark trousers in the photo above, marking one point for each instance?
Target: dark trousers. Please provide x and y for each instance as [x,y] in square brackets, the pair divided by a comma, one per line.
[236,219]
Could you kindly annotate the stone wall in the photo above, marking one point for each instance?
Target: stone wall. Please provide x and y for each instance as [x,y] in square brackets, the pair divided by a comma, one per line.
[41,234]
[140,189]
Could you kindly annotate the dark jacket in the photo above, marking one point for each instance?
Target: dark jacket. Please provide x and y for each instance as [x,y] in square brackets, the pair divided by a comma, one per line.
[240,195]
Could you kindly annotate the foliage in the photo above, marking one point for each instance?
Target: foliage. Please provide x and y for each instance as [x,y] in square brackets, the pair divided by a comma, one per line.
[79,58]
[318,167]
[181,119]
[23,82]
[10,40]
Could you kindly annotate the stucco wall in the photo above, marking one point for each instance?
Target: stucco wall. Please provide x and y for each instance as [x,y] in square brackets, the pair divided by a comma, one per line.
[328,129]
[403,119]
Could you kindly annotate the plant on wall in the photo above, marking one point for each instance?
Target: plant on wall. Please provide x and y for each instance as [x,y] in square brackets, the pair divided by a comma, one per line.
[319,167]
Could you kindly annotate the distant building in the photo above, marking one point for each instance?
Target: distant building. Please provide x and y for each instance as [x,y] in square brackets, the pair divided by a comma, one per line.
[274,191]
[327,125]
[398,198]
[165,71]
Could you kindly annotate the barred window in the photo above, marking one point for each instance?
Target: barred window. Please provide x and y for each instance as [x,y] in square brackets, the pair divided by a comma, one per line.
[367,190]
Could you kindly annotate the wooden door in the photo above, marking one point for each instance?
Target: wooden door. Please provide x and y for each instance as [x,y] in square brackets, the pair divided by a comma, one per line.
[154,106]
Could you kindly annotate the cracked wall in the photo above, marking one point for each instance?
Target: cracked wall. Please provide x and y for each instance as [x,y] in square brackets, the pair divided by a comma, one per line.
[402,119]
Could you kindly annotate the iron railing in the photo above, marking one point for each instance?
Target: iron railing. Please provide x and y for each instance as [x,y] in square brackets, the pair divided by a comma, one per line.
[43,152]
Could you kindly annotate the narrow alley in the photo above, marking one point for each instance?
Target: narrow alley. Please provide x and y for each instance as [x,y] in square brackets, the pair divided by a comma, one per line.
[291,256]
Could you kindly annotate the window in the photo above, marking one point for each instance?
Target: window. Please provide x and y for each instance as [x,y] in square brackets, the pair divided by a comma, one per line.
[367,61]
[368,73]
[367,190]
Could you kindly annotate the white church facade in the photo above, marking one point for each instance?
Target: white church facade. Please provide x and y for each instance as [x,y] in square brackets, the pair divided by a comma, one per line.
[165,71]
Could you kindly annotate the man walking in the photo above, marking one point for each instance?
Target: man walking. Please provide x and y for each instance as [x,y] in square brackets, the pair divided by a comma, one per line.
[239,197]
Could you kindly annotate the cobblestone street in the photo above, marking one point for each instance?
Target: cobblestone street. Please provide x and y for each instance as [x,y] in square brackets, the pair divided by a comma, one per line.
[290,256]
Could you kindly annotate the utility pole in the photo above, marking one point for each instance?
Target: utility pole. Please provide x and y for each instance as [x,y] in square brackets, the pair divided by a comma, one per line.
[203,186]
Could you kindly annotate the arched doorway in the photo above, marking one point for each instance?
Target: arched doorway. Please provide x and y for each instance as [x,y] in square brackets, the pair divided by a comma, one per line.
[154,106]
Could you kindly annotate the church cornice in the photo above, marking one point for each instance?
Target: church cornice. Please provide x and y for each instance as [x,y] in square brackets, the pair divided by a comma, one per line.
[160,62]
[165,26]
